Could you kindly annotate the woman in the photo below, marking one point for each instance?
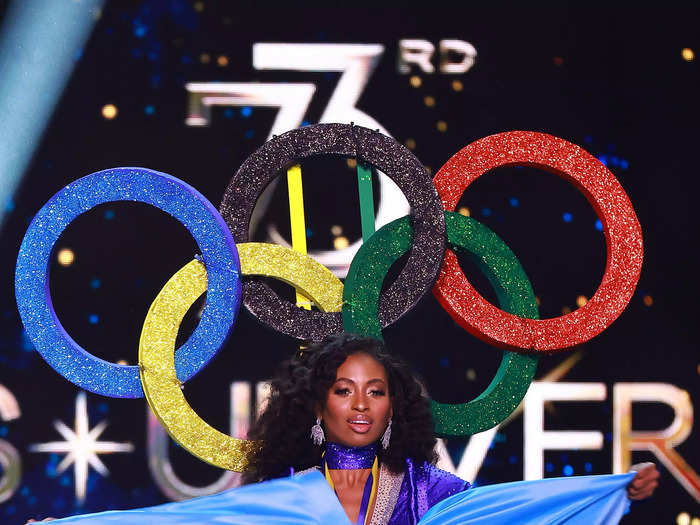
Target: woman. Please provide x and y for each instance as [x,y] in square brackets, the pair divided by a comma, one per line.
[348,408]
[345,405]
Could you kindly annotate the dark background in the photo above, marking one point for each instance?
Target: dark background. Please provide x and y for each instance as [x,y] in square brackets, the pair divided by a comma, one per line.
[610,80]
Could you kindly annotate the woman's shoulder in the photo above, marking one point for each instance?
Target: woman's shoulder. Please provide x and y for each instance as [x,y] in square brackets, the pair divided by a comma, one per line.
[439,484]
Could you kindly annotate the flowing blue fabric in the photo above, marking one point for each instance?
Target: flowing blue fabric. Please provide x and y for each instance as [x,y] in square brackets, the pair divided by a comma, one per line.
[581,500]
[308,500]
[300,500]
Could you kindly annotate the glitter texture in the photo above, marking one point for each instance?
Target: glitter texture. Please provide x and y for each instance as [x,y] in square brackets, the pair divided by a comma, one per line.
[363,288]
[163,321]
[378,150]
[299,270]
[125,184]
[340,457]
[623,237]
[161,385]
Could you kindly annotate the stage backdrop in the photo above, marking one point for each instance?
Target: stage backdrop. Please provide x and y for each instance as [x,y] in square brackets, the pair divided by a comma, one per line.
[193,88]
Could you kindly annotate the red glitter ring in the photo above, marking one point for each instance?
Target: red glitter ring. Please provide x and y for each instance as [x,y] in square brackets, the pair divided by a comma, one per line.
[623,236]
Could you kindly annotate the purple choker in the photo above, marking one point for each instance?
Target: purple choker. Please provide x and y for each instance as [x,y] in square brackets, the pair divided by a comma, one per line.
[339,457]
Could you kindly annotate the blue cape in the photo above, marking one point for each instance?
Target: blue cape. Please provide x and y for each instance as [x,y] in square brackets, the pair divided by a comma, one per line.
[308,500]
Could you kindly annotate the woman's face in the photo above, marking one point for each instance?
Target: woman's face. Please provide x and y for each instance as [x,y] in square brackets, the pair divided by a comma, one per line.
[358,407]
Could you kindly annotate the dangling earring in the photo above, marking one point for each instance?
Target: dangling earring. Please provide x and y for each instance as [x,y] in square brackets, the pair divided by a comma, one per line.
[317,435]
[387,436]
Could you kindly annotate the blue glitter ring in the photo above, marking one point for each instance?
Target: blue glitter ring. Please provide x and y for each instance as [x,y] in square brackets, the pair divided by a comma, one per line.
[166,193]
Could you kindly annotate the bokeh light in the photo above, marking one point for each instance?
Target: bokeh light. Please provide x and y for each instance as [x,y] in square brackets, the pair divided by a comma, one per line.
[416,81]
[648,300]
[109,111]
[581,301]
[457,85]
[65,257]
[688,54]
[441,125]
[429,101]
[410,144]
[683,518]
[463,210]
[340,243]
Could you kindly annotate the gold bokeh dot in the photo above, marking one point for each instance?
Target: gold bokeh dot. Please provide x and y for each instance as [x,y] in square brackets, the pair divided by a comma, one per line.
[471,374]
[429,170]
[199,6]
[688,54]
[683,518]
[566,310]
[122,362]
[410,143]
[429,101]
[352,163]
[695,521]
[457,85]
[441,125]
[340,243]
[581,300]
[222,60]
[463,210]
[416,81]
[109,111]
[537,300]
[65,257]
[648,301]
[336,229]
[204,58]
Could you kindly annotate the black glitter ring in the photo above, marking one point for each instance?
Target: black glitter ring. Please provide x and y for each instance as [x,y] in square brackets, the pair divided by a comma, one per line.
[385,154]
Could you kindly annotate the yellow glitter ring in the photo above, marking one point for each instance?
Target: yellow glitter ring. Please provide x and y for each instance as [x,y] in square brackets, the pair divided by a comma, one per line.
[157,345]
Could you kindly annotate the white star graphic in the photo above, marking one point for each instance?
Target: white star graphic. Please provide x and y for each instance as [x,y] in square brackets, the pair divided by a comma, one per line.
[81,447]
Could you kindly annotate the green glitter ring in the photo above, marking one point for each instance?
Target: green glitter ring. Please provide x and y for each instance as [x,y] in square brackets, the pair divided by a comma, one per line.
[363,286]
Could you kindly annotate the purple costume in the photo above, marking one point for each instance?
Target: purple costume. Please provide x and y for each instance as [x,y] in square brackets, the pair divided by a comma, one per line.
[402,499]
[422,487]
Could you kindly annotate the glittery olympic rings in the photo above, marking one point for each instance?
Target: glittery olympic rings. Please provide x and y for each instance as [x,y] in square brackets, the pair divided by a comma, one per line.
[623,236]
[160,382]
[295,269]
[363,286]
[160,330]
[376,149]
[167,193]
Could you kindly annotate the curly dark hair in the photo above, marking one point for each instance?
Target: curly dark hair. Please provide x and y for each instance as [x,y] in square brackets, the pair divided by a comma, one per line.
[302,384]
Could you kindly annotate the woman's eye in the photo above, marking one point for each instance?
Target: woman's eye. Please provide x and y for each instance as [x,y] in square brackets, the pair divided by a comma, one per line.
[378,392]
[342,391]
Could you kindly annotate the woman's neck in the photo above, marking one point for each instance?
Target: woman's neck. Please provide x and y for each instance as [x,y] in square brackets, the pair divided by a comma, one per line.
[340,457]
[348,470]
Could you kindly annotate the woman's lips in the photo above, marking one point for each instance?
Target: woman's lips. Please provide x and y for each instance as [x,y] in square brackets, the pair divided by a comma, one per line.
[360,425]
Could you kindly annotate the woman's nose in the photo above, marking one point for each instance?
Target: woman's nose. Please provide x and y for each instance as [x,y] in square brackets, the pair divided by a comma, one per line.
[360,402]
